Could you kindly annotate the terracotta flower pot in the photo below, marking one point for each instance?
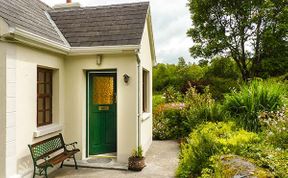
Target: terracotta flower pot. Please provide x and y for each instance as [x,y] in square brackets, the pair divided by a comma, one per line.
[136,163]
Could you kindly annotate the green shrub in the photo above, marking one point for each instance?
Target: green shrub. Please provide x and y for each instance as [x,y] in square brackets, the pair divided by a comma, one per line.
[211,139]
[176,120]
[221,86]
[257,96]
[157,100]
[171,95]
[167,121]
[276,127]
[200,108]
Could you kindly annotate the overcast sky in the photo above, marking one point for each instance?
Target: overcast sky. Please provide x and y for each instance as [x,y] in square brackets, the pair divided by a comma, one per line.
[171,20]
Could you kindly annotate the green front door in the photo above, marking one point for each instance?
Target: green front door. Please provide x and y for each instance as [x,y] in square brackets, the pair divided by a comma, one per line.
[102,113]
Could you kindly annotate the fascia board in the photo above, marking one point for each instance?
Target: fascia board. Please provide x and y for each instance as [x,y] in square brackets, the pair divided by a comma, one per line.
[37,41]
[31,39]
[103,50]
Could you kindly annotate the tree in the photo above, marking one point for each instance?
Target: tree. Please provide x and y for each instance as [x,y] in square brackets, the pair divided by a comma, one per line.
[222,75]
[203,62]
[223,68]
[177,76]
[241,29]
[181,62]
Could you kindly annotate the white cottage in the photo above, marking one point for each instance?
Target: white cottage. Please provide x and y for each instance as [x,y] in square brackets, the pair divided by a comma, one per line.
[85,72]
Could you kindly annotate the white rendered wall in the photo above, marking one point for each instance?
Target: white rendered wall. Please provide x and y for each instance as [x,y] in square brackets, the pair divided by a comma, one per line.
[75,100]
[2,109]
[11,157]
[26,61]
[147,64]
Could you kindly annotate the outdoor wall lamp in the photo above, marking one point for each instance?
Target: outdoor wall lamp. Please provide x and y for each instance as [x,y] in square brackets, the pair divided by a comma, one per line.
[126,78]
[99,59]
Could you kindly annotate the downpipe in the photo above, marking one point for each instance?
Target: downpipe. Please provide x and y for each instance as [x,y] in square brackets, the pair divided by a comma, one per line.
[138,100]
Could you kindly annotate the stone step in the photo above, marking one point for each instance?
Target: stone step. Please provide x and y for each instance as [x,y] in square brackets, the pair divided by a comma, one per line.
[101,163]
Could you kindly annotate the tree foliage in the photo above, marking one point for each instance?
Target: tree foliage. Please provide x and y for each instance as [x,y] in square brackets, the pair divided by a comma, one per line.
[221,75]
[246,30]
[165,75]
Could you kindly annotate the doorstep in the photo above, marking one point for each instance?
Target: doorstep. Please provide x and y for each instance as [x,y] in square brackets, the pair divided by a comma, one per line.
[98,162]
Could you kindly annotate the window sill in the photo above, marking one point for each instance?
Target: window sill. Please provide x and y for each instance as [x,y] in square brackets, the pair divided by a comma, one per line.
[146,116]
[45,130]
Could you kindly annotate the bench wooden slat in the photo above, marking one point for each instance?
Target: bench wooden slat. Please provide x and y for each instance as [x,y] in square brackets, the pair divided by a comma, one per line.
[59,158]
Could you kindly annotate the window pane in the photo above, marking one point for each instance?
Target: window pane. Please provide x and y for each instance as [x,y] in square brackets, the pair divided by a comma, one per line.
[145,91]
[40,103]
[40,76]
[103,90]
[48,77]
[40,118]
[48,89]
[41,88]
[47,103]
[47,116]
[44,100]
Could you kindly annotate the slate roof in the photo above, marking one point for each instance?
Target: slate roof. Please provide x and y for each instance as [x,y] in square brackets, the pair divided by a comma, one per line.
[110,25]
[29,15]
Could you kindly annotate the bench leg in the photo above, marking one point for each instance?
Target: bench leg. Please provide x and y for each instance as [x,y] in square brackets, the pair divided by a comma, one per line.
[34,173]
[46,175]
[62,164]
[76,167]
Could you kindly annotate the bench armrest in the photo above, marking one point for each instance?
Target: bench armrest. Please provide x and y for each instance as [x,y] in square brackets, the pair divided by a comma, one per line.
[71,144]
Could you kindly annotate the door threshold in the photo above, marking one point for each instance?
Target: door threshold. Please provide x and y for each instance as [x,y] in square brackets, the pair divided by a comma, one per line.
[104,155]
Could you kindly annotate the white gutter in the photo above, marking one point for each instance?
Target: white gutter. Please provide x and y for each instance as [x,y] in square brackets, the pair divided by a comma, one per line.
[31,39]
[103,50]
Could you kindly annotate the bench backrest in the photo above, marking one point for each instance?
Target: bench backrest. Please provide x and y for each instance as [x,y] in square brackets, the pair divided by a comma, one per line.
[46,147]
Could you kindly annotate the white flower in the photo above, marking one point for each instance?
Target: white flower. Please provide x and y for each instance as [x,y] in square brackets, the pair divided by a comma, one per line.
[270,133]
[278,149]
[270,156]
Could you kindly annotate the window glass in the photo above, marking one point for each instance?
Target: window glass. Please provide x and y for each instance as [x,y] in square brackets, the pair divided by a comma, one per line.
[145,88]
[103,88]
[44,96]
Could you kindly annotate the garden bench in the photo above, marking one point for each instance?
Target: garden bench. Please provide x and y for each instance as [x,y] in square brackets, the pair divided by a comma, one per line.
[50,152]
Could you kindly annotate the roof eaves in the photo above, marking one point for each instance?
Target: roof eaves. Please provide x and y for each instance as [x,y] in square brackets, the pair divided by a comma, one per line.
[32,39]
[103,50]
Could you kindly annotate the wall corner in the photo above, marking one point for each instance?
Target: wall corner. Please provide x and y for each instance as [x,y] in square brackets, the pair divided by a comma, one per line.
[2,109]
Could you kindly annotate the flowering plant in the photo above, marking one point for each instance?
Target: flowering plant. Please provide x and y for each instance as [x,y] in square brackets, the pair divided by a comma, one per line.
[275,126]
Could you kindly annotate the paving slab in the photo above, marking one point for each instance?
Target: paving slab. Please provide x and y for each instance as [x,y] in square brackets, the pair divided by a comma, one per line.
[161,161]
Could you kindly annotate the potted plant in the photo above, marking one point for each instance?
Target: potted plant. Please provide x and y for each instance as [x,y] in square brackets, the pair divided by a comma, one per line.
[136,162]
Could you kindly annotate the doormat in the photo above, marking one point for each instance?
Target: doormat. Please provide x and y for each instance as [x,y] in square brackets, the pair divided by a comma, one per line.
[99,160]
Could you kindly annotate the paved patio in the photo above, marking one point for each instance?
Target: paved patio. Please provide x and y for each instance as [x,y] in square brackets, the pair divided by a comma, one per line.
[161,160]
